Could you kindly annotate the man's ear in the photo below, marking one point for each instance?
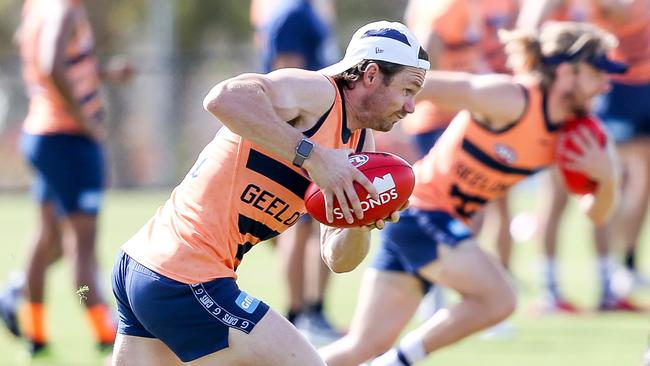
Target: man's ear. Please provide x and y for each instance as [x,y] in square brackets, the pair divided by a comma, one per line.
[565,69]
[372,74]
[564,72]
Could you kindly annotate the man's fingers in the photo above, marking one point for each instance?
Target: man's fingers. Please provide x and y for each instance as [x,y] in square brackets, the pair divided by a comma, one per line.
[343,204]
[367,185]
[353,198]
[329,206]
[571,155]
[588,138]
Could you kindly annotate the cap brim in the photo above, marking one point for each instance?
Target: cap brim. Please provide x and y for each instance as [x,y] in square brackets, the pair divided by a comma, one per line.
[339,67]
[609,66]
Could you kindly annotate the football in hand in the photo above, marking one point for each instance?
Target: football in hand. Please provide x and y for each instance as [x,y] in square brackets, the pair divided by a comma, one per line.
[578,182]
[391,175]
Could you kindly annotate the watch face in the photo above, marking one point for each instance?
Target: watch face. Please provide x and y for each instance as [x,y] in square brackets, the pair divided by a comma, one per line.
[304,148]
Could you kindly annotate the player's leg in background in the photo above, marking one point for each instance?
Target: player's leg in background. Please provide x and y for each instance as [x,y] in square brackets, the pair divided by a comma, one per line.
[626,113]
[486,295]
[292,247]
[497,220]
[551,213]
[387,301]
[82,199]
[25,315]
[83,256]
[306,278]
[503,240]
[624,229]
[486,299]
[313,322]
[636,196]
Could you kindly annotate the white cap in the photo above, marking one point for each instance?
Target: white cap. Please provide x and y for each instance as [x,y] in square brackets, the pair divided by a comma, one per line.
[382,41]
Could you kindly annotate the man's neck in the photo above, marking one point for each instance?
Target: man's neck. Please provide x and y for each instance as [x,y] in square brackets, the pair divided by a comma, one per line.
[351,108]
[557,109]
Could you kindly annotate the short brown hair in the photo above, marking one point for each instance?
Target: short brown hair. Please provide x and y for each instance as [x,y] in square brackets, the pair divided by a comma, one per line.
[350,76]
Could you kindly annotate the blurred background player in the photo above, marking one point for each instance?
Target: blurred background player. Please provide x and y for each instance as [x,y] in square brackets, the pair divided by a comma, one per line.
[459,35]
[506,134]
[299,34]
[63,139]
[626,113]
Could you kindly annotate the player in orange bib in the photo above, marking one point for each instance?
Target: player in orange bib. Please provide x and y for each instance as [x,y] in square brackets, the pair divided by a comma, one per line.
[175,279]
[626,113]
[62,140]
[506,133]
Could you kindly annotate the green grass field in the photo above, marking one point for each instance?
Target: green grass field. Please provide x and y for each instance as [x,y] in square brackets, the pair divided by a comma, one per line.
[588,339]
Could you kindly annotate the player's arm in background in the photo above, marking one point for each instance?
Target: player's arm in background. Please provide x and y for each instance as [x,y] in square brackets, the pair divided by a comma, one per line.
[272,110]
[495,101]
[534,12]
[57,30]
[601,165]
[344,249]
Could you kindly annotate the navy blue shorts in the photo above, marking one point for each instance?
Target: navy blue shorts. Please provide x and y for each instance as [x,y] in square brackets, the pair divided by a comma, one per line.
[192,320]
[625,110]
[425,141]
[412,242]
[69,171]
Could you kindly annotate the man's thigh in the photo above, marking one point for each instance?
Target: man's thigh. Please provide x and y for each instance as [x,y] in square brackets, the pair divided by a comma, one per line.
[273,341]
[141,351]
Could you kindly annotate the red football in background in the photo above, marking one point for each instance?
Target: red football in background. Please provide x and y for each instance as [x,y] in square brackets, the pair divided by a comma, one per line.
[577,182]
[391,175]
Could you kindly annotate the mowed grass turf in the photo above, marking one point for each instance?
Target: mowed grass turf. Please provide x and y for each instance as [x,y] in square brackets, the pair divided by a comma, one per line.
[588,339]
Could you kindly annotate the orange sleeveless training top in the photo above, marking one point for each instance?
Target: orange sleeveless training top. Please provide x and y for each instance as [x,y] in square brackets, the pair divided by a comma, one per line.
[234,197]
[471,165]
[47,109]
[633,33]
[459,26]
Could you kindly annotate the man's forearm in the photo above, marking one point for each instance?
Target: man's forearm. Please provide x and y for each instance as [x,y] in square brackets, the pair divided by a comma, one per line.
[344,249]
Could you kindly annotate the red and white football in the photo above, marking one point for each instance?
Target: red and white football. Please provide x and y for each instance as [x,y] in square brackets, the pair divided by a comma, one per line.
[578,182]
[391,175]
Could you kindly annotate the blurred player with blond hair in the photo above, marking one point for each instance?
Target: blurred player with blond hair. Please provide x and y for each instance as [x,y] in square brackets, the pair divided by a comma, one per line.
[506,132]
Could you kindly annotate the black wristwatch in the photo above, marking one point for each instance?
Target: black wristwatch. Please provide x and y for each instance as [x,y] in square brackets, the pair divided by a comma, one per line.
[303,151]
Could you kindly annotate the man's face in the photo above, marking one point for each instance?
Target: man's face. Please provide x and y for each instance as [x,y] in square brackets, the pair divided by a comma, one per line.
[588,83]
[384,105]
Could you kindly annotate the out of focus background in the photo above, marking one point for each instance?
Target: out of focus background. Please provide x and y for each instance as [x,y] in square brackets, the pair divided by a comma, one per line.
[157,126]
[180,49]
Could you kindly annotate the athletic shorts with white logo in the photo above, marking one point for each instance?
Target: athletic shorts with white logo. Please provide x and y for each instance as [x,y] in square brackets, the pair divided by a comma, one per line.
[192,320]
[413,241]
[69,171]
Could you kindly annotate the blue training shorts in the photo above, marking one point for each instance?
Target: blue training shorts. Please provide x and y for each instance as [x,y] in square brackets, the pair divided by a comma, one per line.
[425,141]
[192,320]
[625,111]
[69,171]
[412,242]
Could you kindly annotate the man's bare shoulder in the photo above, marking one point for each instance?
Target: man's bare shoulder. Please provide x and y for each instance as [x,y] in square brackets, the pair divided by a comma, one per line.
[309,91]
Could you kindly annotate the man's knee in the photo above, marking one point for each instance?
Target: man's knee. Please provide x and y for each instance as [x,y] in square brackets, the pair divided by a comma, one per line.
[501,303]
[370,346]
